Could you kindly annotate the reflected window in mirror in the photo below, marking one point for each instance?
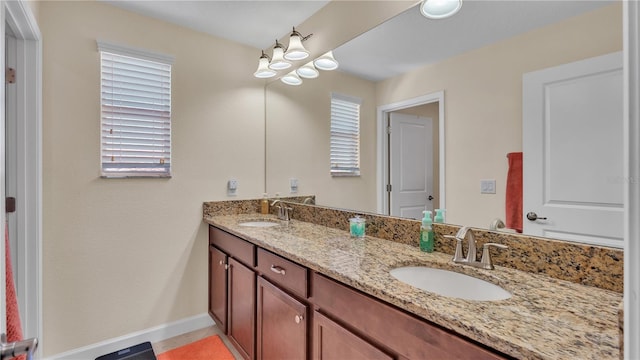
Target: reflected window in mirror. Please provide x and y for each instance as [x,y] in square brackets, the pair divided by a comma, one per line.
[345,135]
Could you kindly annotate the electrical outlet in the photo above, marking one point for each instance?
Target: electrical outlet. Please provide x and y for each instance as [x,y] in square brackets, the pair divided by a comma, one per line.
[293,183]
[232,187]
[488,186]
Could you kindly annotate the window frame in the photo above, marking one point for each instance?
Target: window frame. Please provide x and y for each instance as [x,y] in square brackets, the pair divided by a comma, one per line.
[145,56]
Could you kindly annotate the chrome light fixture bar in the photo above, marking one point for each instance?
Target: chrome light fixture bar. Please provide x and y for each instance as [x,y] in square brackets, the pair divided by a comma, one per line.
[439,9]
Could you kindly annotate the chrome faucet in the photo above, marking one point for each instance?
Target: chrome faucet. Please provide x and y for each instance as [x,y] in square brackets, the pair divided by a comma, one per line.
[465,233]
[284,212]
[14,349]
[471,243]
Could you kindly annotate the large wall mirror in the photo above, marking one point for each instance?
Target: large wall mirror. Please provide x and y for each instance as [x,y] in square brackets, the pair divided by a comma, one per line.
[464,73]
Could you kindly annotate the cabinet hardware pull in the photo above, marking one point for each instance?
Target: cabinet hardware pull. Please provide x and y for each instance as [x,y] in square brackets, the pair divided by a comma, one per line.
[299,318]
[277,270]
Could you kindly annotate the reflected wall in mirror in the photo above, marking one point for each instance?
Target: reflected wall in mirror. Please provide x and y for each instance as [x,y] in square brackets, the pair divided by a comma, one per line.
[482,108]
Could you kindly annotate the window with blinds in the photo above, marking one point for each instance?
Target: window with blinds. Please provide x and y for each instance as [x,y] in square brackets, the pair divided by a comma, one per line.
[135,112]
[345,135]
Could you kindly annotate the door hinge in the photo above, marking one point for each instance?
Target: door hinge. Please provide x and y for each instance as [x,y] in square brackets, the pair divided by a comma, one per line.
[388,187]
[10,76]
[10,205]
[388,129]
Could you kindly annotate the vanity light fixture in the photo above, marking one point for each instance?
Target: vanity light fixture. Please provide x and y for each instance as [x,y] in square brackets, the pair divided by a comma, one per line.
[326,62]
[439,9]
[295,50]
[308,71]
[263,71]
[292,78]
[278,61]
[281,59]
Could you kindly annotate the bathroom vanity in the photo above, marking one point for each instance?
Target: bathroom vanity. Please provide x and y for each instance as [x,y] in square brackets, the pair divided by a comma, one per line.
[303,290]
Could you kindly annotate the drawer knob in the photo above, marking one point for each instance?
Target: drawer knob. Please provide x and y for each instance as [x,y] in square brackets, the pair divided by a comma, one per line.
[299,318]
[277,270]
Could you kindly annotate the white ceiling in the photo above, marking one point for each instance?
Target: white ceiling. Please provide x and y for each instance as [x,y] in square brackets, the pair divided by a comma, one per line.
[256,23]
[409,40]
[399,45]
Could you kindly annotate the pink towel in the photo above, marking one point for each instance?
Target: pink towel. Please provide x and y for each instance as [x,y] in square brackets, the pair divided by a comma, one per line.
[14,329]
[513,203]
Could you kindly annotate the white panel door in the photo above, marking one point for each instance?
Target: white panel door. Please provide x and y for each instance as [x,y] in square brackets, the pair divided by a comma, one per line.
[411,146]
[572,151]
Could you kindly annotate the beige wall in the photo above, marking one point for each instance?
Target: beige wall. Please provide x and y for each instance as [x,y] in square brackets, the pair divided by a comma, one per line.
[124,255]
[298,140]
[483,103]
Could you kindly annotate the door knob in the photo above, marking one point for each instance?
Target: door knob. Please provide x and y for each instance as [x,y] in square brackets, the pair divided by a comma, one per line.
[429,197]
[299,318]
[533,216]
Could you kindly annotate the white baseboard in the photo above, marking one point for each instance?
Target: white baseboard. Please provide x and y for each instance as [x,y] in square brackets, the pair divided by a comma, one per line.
[154,334]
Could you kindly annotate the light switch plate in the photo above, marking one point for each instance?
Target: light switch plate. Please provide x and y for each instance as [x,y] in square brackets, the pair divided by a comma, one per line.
[293,184]
[488,186]
[232,187]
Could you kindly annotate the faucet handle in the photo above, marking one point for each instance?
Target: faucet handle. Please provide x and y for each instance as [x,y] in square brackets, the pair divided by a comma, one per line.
[287,213]
[459,255]
[486,256]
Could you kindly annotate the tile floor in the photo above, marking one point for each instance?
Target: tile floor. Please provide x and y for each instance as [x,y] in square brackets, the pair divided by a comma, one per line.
[174,342]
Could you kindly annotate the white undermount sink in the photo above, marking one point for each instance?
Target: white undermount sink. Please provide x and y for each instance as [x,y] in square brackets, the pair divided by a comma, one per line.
[450,283]
[261,223]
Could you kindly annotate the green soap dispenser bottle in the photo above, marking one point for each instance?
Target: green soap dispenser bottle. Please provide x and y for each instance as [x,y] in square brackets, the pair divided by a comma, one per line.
[426,233]
[439,218]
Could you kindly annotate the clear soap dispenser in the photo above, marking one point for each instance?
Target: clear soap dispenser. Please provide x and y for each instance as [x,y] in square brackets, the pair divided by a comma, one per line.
[426,233]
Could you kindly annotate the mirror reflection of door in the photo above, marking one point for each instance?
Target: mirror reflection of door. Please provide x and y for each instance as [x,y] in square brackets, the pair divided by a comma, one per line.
[572,151]
[10,180]
[411,165]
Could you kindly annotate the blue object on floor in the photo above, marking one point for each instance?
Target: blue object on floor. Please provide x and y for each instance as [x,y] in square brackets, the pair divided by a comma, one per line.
[142,351]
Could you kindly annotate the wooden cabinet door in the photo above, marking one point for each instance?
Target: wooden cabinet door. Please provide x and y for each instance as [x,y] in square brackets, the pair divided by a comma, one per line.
[333,342]
[218,287]
[282,324]
[241,319]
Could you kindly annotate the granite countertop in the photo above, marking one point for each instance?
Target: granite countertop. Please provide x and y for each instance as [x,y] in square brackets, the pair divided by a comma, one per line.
[545,318]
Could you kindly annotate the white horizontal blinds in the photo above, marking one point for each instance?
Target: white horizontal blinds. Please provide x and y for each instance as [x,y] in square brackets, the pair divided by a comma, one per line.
[345,135]
[136,116]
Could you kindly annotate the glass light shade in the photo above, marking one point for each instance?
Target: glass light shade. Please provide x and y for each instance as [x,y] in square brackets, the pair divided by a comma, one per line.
[291,79]
[296,50]
[439,9]
[326,62]
[308,71]
[263,71]
[277,61]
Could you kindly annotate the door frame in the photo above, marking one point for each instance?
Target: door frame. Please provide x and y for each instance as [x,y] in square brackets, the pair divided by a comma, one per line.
[382,158]
[19,17]
[631,91]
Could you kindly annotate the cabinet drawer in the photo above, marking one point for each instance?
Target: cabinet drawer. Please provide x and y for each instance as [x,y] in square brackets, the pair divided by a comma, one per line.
[411,337]
[283,272]
[235,247]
